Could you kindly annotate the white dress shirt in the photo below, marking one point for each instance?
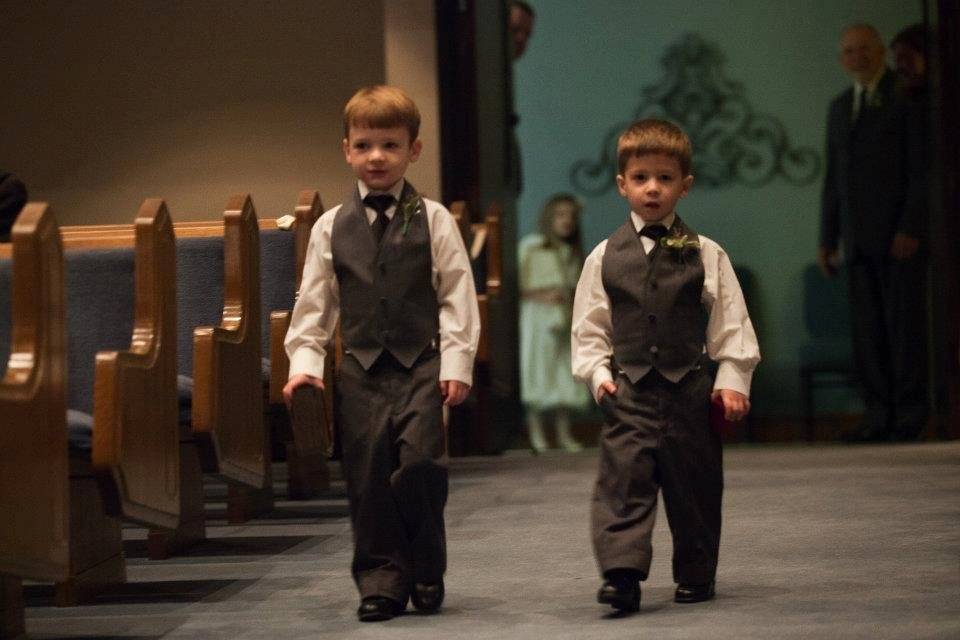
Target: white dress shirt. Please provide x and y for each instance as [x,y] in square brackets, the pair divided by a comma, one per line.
[731,340]
[317,309]
[866,92]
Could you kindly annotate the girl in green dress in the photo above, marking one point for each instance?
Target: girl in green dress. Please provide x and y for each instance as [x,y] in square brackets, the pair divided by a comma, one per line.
[550,263]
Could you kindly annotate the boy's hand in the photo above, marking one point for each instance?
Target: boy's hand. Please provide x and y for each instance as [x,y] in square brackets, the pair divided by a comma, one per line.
[735,404]
[454,392]
[298,381]
[605,388]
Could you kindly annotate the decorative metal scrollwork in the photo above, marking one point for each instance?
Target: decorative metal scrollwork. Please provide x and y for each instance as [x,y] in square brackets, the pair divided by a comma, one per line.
[731,142]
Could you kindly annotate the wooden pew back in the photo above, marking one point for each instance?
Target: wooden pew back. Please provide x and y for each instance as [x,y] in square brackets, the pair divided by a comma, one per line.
[228,411]
[34,529]
[137,388]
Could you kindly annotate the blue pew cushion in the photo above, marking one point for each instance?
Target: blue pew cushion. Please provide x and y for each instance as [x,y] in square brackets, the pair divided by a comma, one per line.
[100,300]
[184,398]
[199,292]
[79,431]
[265,371]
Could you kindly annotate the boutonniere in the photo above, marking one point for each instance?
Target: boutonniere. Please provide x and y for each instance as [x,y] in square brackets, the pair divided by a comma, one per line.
[409,208]
[679,242]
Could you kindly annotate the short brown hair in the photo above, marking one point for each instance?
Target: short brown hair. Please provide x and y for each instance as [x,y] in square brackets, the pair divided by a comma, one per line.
[381,107]
[648,136]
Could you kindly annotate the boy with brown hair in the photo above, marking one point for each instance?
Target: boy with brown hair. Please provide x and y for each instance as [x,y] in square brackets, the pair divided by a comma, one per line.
[654,301]
[392,266]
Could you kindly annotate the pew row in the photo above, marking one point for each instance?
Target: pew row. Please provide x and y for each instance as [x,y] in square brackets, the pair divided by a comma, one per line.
[120,415]
[201,251]
[218,366]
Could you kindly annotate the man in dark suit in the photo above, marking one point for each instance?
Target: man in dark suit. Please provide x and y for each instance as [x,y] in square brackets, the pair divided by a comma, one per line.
[874,206]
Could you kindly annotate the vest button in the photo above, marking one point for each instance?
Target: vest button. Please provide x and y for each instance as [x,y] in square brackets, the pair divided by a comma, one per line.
[652,317]
[653,285]
[654,349]
[383,267]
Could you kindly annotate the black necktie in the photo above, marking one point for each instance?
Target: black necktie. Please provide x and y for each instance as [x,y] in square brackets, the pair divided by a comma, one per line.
[380,204]
[654,231]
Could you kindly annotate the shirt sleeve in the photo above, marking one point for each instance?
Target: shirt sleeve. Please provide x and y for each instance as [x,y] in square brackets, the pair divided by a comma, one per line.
[317,309]
[456,295]
[731,340]
[591,346]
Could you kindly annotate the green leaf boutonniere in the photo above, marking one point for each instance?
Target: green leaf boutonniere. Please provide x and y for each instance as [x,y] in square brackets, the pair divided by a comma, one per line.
[409,208]
[679,242]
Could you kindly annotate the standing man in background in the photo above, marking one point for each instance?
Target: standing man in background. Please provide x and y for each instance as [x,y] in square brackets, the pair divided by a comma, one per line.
[519,28]
[874,204]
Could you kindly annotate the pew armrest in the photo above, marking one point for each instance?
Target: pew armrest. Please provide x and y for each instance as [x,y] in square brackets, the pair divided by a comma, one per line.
[279,363]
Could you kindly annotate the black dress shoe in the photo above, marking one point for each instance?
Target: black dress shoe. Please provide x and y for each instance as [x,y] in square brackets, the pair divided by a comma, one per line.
[694,592]
[427,597]
[622,595]
[378,609]
[866,434]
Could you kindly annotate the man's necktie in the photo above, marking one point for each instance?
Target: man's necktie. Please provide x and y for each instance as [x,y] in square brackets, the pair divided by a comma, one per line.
[380,204]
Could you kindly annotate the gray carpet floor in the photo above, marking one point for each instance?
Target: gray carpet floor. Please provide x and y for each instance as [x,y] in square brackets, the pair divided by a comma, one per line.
[818,542]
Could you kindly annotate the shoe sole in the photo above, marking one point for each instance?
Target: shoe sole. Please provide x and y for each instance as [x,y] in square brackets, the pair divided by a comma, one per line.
[694,599]
[619,605]
[426,609]
[376,617]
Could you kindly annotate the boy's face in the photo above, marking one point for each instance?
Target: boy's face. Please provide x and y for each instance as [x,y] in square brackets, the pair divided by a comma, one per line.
[380,157]
[652,184]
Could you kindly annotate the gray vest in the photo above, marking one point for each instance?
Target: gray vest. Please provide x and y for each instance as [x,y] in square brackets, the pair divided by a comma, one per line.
[655,302]
[387,299]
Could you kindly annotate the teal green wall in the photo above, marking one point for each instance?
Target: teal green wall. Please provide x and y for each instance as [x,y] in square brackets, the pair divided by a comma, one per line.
[583,72]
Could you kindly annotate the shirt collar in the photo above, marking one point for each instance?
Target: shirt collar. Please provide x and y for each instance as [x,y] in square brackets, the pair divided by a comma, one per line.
[639,224]
[395,190]
[871,86]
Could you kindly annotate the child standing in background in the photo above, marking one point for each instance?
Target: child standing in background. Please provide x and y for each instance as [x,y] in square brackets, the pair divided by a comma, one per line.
[550,263]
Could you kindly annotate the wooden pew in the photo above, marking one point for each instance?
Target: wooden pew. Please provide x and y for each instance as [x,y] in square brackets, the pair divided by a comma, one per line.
[227,409]
[139,472]
[124,459]
[133,469]
[222,432]
[308,474]
[34,489]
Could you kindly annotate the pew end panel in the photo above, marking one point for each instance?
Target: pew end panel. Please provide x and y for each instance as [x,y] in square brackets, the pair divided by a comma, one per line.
[227,412]
[307,211]
[139,472]
[34,463]
[308,475]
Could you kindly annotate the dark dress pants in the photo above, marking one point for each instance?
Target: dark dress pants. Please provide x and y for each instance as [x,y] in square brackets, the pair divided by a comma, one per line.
[395,463]
[888,322]
[657,437]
